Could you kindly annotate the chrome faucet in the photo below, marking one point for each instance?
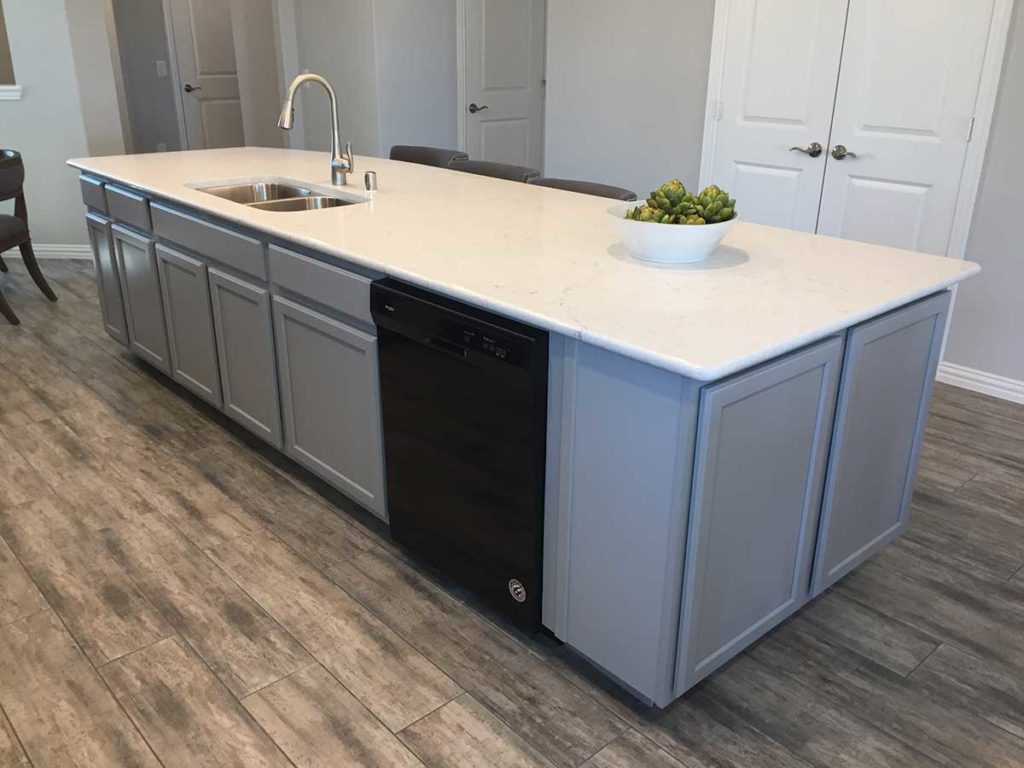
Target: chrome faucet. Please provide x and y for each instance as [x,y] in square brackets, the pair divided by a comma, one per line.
[341,164]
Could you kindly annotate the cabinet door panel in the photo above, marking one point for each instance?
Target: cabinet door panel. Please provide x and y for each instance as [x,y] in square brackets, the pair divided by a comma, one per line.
[330,396]
[136,262]
[883,407]
[762,449]
[108,281]
[245,350]
[186,294]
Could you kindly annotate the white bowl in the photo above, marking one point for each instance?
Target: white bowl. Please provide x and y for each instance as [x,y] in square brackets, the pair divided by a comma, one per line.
[667,243]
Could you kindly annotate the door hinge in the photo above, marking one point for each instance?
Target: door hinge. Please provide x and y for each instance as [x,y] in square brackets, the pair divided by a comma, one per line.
[970,130]
[719,110]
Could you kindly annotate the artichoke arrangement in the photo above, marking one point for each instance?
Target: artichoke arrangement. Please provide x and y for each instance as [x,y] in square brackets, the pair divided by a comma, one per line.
[672,204]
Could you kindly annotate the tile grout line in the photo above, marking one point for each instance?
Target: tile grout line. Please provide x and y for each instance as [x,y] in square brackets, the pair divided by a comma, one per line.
[14,731]
[872,726]
[88,661]
[314,657]
[919,664]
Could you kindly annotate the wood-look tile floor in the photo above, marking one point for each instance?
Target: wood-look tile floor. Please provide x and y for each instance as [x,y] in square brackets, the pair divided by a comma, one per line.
[173,594]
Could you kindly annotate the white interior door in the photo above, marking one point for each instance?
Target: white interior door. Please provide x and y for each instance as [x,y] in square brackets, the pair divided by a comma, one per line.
[504,81]
[907,92]
[204,51]
[778,88]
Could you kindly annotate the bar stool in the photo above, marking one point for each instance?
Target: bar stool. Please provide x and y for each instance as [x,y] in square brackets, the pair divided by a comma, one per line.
[435,156]
[585,188]
[494,170]
[14,229]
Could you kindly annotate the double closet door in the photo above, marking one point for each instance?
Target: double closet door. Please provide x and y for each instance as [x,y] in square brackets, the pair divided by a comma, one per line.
[850,118]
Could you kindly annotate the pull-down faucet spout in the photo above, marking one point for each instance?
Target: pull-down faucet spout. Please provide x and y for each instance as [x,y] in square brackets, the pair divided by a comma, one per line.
[341,164]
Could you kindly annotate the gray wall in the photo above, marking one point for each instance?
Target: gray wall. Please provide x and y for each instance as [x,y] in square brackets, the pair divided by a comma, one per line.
[46,125]
[987,333]
[416,72]
[626,89]
[142,38]
[336,40]
[392,63]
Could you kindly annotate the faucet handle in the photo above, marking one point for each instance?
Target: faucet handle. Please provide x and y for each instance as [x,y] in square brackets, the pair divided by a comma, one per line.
[348,156]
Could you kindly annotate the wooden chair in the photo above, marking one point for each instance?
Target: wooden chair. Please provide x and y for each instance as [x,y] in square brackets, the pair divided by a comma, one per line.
[585,188]
[435,156]
[14,229]
[494,170]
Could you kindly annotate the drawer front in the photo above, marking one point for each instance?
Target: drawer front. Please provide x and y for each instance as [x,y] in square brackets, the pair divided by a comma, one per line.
[128,207]
[331,286]
[93,194]
[217,243]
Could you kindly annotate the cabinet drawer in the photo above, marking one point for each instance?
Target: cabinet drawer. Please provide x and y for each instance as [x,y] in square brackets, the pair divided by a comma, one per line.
[93,194]
[336,288]
[128,207]
[217,243]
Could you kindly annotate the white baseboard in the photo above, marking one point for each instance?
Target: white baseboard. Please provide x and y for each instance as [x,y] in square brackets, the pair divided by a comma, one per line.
[55,251]
[979,381]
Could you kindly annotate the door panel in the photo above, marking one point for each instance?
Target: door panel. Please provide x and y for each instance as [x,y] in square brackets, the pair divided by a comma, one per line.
[505,72]
[906,95]
[245,351]
[186,293]
[883,407]
[762,449]
[143,304]
[205,56]
[781,66]
[108,280]
[330,397]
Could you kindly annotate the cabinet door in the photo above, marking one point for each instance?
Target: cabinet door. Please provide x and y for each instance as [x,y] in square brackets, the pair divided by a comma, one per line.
[330,396]
[185,289]
[143,304]
[245,350]
[883,407]
[762,449]
[108,281]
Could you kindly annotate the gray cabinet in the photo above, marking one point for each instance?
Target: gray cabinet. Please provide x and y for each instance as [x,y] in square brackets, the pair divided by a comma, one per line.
[143,304]
[762,450]
[185,289]
[108,281]
[245,351]
[330,398]
[883,406]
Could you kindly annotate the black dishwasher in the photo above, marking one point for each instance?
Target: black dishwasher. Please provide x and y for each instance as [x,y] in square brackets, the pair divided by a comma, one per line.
[464,399]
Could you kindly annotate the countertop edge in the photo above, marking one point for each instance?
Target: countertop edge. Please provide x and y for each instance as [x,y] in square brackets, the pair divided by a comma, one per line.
[658,360]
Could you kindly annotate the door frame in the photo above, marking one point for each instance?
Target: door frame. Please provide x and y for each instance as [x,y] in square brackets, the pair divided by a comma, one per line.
[172,50]
[988,91]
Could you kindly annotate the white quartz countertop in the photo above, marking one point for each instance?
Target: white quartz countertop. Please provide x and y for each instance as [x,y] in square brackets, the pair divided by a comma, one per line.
[552,258]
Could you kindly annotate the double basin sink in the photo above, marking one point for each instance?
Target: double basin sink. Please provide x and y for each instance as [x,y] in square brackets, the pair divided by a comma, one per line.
[278,196]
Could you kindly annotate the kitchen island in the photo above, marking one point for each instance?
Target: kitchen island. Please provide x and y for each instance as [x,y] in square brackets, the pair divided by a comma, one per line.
[725,440]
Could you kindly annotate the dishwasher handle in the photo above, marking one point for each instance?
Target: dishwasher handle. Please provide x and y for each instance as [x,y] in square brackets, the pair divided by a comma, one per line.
[449,347]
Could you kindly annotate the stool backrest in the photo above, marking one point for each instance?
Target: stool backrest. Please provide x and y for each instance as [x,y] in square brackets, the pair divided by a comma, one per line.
[435,156]
[585,188]
[12,174]
[494,170]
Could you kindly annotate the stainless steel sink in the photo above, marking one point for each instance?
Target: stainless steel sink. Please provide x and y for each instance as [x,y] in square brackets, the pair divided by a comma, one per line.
[310,203]
[278,196]
[257,192]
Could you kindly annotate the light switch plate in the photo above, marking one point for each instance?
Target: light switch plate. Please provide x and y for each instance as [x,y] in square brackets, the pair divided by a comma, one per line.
[161,68]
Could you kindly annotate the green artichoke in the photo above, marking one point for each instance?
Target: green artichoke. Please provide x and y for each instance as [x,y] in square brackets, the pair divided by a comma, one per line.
[672,204]
[714,205]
